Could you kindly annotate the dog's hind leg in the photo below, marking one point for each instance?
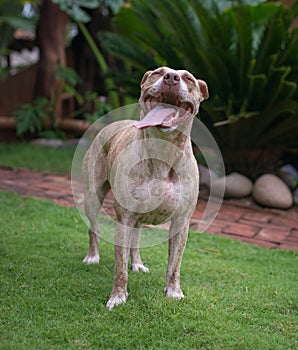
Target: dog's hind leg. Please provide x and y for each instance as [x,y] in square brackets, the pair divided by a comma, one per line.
[92,207]
[136,261]
[96,186]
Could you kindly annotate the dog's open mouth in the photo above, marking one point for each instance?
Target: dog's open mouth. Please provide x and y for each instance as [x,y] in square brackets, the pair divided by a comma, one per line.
[165,111]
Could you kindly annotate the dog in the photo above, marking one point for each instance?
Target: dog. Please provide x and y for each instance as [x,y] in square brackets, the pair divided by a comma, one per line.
[151,169]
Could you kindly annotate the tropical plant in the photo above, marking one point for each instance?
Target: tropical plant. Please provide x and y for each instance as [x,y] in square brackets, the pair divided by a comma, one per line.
[248,55]
[75,10]
[30,117]
[98,106]
[70,80]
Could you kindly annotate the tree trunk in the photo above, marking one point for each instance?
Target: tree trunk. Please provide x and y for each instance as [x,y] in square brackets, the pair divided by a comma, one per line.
[51,41]
[85,61]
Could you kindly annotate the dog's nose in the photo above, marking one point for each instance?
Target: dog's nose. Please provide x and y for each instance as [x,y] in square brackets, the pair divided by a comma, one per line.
[171,78]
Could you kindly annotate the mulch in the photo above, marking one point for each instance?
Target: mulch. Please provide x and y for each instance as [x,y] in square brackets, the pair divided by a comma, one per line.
[238,219]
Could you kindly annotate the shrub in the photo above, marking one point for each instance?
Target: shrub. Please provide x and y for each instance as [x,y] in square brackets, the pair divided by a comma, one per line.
[31,116]
[248,55]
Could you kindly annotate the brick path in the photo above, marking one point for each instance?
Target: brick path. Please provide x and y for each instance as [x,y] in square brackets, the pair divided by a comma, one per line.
[238,219]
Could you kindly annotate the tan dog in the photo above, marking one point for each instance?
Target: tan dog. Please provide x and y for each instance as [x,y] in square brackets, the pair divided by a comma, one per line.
[152,172]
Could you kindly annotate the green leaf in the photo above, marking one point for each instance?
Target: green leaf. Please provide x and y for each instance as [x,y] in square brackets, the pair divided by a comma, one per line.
[245,52]
[90,4]
[30,116]
[115,5]
[256,90]
[125,48]
[68,74]
[243,24]
[79,15]
[18,22]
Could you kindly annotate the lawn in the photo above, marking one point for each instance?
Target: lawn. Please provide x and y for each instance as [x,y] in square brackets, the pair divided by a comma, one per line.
[33,157]
[238,296]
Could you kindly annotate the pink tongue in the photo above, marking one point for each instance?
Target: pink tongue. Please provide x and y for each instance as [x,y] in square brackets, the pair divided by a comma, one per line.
[157,116]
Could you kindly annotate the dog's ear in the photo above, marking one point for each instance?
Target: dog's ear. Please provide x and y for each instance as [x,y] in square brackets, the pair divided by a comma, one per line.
[204,90]
[145,77]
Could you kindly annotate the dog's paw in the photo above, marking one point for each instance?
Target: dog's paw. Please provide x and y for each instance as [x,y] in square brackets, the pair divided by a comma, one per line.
[174,292]
[91,259]
[116,299]
[139,267]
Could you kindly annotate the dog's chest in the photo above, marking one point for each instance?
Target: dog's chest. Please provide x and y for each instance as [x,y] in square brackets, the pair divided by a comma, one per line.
[156,200]
[153,196]
[150,190]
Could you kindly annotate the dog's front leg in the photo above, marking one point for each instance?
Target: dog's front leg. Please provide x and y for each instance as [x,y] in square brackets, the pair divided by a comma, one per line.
[136,261]
[122,248]
[178,237]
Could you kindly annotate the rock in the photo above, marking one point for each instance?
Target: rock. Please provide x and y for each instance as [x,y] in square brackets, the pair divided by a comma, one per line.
[295,196]
[55,143]
[289,174]
[270,191]
[206,175]
[218,187]
[236,185]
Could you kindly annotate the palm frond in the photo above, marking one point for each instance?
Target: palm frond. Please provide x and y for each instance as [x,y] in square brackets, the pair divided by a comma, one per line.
[246,52]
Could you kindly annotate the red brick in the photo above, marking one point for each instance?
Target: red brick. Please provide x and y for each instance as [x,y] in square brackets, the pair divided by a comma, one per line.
[194,224]
[63,203]
[54,187]
[7,182]
[259,217]
[268,226]
[197,215]
[254,241]
[293,236]
[59,179]
[217,226]
[229,213]
[272,227]
[289,246]
[282,221]
[200,208]
[252,225]
[268,234]
[108,210]
[241,230]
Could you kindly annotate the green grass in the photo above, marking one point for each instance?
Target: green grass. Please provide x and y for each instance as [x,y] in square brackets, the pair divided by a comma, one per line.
[238,296]
[26,155]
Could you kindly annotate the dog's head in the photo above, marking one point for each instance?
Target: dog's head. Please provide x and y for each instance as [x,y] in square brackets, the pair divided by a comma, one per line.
[169,97]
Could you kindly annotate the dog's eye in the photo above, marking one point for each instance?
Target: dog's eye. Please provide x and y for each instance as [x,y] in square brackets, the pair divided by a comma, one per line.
[190,80]
[157,73]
